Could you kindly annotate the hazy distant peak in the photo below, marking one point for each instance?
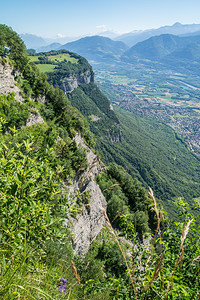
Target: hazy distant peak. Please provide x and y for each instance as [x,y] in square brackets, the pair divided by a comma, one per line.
[177,28]
[177,24]
[109,34]
[32,41]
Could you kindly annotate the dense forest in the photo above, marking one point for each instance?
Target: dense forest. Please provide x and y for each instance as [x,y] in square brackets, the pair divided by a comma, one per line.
[139,254]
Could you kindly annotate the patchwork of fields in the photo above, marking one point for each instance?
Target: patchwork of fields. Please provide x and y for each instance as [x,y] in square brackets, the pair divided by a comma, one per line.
[169,97]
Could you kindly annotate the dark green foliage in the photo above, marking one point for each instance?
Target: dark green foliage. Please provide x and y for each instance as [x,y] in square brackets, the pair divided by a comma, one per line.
[151,152]
[12,45]
[14,113]
[96,107]
[139,199]
[102,102]
[84,103]
[126,196]
[114,264]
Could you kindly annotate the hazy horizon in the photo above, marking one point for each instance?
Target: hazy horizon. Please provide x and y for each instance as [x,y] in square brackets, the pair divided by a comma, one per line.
[50,19]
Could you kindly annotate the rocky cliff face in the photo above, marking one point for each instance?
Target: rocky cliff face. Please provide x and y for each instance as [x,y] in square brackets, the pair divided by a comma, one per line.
[8,85]
[73,81]
[89,222]
[7,81]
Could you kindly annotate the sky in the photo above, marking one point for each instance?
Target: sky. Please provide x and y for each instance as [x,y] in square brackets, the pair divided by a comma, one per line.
[57,18]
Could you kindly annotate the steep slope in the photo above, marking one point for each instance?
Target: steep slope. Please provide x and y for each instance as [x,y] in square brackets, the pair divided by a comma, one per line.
[87,224]
[39,165]
[75,77]
[23,99]
[155,48]
[58,140]
[132,146]
[98,110]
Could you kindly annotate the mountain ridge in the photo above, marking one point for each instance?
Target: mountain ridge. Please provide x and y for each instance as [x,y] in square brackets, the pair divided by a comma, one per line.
[167,51]
[97,48]
[133,38]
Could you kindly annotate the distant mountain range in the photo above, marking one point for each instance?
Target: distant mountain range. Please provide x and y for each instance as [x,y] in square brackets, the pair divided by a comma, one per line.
[53,46]
[132,38]
[165,45]
[44,44]
[175,51]
[181,53]
[33,41]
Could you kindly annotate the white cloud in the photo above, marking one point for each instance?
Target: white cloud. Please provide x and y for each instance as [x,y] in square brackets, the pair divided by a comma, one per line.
[101,28]
[60,35]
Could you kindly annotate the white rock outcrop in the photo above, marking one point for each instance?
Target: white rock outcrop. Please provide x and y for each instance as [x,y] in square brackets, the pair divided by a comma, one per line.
[8,83]
[34,118]
[89,222]
[73,81]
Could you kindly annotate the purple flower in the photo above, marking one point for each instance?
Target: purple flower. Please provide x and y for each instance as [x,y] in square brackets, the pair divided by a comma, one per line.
[62,287]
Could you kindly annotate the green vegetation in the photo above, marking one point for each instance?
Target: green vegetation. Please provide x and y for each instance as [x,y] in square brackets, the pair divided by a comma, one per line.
[47,63]
[60,64]
[146,257]
[13,112]
[91,101]
[46,68]
[62,57]
[36,251]
[126,196]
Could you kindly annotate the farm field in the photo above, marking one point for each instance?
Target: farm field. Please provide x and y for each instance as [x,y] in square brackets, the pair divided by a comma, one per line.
[167,90]
[46,68]
[55,58]
[47,63]
[62,57]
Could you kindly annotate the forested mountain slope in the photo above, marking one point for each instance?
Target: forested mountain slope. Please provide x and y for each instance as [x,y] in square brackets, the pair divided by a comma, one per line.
[178,53]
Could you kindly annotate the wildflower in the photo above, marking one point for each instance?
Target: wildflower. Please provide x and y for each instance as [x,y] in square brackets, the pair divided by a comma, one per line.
[62,287]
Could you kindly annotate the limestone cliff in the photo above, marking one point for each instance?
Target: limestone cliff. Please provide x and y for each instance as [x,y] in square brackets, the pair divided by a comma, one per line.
[71,82]
[7,81]
[8,85]
[89,222]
